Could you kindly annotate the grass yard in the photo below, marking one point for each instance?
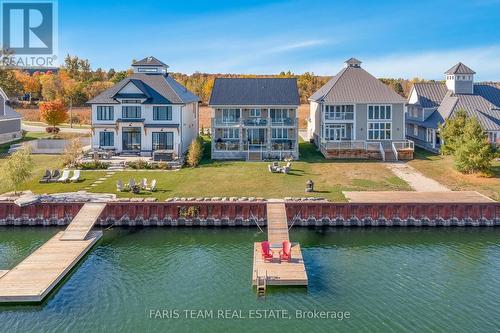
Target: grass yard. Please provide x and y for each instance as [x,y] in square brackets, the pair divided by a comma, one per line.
[441,169]
[234,178]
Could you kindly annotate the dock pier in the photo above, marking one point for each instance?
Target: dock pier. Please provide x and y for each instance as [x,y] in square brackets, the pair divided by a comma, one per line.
[278,273]
[35,277]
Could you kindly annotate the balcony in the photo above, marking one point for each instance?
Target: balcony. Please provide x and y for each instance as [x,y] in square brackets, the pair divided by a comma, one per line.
[218,122]
[283,121]
[339,116]
[227,145]
[255,122]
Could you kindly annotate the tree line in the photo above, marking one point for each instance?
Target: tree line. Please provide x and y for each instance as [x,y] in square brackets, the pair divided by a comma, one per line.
[75,82]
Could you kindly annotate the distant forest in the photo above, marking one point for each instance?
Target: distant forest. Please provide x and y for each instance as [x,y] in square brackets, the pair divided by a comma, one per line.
[75,82]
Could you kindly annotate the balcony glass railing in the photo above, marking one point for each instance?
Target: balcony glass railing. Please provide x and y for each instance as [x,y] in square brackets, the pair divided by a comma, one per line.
[339,116]
[283,121]
[255,122]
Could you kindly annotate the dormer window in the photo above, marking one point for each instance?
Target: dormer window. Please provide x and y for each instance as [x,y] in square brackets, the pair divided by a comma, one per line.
[131,101]
[147,69]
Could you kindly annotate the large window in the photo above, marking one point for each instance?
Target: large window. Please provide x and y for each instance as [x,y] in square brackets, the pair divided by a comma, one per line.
[277,115]
[163,140]
[162,113]
[230,133]
[337,132]
[379,112]
[379,131]
[131,111]
[230,115]
[279,133]
[339,112]
[106,139]
[105,113]
[255,112]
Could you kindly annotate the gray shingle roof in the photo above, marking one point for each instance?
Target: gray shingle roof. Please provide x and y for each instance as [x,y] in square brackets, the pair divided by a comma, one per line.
[484,104]
[459,69]
[355,85]
[430,94]
[149,61]
[159,89]
[255,91]
[10,113]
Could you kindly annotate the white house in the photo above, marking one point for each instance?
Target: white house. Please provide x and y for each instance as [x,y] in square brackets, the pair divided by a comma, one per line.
[10,121]
[146,112]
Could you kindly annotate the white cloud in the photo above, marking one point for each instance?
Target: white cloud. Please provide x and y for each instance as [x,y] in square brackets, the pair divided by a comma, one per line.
[427,64]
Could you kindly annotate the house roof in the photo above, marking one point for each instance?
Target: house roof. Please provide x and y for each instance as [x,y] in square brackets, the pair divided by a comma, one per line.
[484,104]
[149,61]
[355,85]
[255,91]
[158,88]
[10,113]
[460,69]
[430,94]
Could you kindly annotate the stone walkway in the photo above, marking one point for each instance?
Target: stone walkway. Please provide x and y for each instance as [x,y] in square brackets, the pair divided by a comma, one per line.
[100,180]
[415,179]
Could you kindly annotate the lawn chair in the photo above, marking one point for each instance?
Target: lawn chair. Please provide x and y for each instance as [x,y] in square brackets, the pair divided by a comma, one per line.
[65,176]
[131,183]
[76,176]
[119,185]
[153,186]
[289,165]
[267,253]
[46,177]
[285,169]
[55,175]
[286,252]
[144,183]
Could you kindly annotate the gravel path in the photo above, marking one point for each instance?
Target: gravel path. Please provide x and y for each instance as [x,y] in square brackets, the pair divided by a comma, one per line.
[415,179]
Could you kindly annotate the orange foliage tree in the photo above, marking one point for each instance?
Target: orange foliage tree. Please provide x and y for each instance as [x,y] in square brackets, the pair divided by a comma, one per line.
[53,113]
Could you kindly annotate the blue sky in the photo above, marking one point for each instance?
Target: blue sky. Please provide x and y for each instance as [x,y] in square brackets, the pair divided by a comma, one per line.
[392,38]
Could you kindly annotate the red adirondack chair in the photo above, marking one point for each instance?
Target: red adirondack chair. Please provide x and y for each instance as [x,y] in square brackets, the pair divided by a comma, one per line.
[286,252]
[267,253]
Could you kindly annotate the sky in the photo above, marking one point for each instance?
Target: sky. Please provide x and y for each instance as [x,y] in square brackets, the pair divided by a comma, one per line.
[392,38]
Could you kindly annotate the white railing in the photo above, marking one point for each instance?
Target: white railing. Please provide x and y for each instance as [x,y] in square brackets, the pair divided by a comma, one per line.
[403,145]
[394,151]
[344,145]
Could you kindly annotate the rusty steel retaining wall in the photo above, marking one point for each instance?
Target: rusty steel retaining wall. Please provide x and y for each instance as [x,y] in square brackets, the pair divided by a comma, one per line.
[247,213]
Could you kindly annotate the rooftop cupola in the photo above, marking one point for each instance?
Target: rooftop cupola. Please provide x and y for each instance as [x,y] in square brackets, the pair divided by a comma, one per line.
[460,79]
[150,65]
[353,62]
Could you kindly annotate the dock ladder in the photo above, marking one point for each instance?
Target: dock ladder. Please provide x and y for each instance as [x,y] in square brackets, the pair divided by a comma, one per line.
[261,284]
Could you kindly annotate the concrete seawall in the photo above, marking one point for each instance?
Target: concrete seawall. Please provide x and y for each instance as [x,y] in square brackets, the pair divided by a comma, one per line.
[247,213]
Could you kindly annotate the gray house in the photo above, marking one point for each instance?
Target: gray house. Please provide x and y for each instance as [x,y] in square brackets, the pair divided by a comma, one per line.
[354,115]
[10,121]
[254,118]
[430,104]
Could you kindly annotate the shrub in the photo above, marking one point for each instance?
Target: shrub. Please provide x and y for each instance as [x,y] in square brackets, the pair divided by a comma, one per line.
[94,165]
[53,130]
[18,168]
[72,152]
[195,152]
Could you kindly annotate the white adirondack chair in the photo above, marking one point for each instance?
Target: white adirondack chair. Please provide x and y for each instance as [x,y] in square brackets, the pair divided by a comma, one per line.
[144,183]
[153,186]
[119,185]
[76,176]
[65,176]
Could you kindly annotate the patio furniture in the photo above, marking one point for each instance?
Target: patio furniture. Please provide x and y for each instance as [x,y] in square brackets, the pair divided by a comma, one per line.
[144,183]
[267,253]
[285,169]
[131,183]
[286,252]
[309,186]
[119,185]
[46,177]
[54,176]
[76,176]
[273,168]
[65,176]
[153,186]
[136,189]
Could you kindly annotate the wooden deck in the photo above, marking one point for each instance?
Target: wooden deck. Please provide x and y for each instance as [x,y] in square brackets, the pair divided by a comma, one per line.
[83,221]
[34,278]
[415,197]
[279,273]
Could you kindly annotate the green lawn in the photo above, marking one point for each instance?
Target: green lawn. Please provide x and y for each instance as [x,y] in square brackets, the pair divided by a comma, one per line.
[441,169]
[235,178]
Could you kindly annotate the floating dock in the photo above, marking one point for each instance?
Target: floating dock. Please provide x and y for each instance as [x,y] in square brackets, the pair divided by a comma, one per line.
[34,278]
[278,273]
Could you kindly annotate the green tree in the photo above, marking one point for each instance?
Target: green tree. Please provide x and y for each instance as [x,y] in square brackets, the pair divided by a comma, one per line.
[452,132]
[474,153]
[195,152]
[18,168]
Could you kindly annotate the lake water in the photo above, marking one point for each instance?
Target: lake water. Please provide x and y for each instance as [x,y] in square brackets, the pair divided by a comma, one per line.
[388,279]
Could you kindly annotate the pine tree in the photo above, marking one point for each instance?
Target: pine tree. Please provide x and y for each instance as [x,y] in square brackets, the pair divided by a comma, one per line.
[452,132]
[474,153]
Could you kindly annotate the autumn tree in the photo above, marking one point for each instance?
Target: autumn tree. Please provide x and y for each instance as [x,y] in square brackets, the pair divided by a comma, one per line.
[18,168]
[195,152]
[53,113]
[72,152]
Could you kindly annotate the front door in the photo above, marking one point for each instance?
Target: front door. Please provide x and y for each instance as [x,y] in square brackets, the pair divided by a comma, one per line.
[336,132]
[131,139]
[256,137]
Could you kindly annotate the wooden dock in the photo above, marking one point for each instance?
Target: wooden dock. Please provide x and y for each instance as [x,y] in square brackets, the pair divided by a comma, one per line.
[34,278]
[276,272]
